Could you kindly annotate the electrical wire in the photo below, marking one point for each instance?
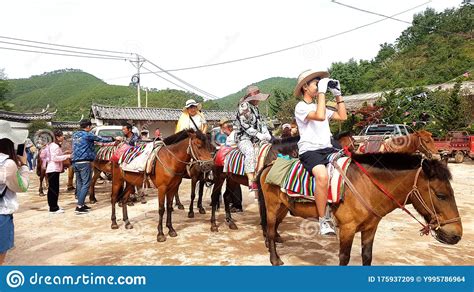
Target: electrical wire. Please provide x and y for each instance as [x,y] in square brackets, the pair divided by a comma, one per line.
[292,47]
[59,54]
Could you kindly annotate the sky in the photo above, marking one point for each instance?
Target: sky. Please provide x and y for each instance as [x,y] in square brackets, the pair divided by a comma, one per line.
[184,33]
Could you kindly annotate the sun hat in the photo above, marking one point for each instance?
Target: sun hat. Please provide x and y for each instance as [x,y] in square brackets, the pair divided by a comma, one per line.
[190,103]
[224,121]
[306,77]
[253,93]
[17,136]
[286,126]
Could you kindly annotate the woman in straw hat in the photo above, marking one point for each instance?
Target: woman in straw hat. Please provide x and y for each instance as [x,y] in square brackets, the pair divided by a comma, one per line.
[13,178]
[251,129]
[192,118]
[315,135]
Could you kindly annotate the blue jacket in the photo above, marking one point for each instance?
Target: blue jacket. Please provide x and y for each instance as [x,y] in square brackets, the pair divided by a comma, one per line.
[83,145]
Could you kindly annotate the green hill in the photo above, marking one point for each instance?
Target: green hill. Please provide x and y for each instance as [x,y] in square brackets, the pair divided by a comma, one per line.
[72,92]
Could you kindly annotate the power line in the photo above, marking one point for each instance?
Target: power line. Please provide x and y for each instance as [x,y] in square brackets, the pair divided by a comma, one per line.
[59,50]
[390,17]
[292,47]
[66,46]
[166,79]
[59,54]
[212,96]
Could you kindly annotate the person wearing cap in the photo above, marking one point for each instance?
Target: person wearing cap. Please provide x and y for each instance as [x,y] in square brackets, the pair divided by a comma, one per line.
[251,129]
[315,135]
[157,134]
[192,118]
[13,178]
[220,136]
[285,131]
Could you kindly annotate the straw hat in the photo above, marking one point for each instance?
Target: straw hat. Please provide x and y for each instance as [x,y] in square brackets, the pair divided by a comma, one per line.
[16,136]
[224,121]
[253,93]
[191,102]
[307,76]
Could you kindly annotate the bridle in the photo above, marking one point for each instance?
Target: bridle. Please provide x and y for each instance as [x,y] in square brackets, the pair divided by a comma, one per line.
[435,222]
[426,151]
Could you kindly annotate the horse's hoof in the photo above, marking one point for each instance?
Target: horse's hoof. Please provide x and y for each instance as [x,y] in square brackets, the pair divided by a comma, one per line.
[128,226]
[114,226]
[232,225]
[277,262]
[278,239]
[161,238]
[130,204]
[41,194]
[181,207]
[191,215]
[143,200]
[172,233]
[92,201]
[70,189]
[202,211]
[214,228]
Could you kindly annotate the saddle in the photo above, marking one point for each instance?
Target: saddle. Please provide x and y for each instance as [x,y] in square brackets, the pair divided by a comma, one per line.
[299,184]
[234,159]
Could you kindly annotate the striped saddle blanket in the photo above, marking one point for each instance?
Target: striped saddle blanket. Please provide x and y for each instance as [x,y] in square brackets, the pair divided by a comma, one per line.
[234,160]
[105,151]
[299,183]
[135,159]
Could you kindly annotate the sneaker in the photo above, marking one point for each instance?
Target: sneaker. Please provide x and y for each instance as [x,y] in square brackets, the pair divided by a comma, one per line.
[81,210]
[86,207]
[59,211]
[325,228]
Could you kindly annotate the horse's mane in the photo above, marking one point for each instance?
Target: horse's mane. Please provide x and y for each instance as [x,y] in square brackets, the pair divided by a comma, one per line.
[342,134]
[181,135]
[285,141]
[433,169]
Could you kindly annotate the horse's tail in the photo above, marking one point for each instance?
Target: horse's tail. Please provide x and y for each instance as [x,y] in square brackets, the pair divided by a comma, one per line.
[261,202]
[38,165]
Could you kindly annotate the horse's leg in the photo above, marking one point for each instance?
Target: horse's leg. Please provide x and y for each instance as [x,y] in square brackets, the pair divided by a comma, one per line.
[40,190]
[92,198]
[281,214]
[367,241]
[161,211]
[272,217]
[70,179]
[201,192]
[128,190]
[169,212]
[216,192]
[228,215]
[178,202]
[346,237]
[116,189]
[193,195]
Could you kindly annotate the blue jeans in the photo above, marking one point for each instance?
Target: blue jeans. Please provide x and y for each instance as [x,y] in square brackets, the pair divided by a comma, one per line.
[83,181]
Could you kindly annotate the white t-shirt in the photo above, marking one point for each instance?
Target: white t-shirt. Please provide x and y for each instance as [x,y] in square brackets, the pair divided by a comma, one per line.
[231,140]
[199,122]
[314,135]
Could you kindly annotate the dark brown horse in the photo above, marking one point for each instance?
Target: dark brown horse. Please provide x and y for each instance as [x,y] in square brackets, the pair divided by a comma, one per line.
[286,146]
[167,174]
[419,141]
[411,180]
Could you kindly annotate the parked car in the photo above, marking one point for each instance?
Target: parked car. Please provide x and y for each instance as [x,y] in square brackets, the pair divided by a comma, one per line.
[108,131]
[384,131]
[456,144]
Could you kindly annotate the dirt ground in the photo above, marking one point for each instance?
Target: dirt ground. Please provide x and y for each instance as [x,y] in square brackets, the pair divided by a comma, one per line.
[69,239]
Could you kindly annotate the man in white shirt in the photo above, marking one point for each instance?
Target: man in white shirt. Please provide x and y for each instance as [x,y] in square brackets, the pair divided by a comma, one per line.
[315,135]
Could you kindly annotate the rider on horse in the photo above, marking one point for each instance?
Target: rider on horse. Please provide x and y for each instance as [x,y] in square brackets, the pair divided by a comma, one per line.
[251,129]
[315,135]
[192,118]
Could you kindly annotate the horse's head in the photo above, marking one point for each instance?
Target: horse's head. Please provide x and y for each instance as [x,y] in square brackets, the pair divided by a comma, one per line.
[200,149]
[437,204]
[426,143]
[346,140]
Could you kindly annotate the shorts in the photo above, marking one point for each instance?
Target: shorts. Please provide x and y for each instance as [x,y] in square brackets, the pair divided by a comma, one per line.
[310,159]
[6,233]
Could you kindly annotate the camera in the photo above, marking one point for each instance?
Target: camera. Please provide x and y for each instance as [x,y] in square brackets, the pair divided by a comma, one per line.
[332,84]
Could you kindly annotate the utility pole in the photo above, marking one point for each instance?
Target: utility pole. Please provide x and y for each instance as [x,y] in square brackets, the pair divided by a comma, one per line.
[136,78]
[146,97]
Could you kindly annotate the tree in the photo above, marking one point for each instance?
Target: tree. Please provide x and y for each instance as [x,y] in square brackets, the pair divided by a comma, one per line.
[4,89]
[276,101]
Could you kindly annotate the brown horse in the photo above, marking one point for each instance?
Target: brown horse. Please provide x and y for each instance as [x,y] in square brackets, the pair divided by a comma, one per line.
[419,141]
[168,171]
[411,179]
[286,146]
